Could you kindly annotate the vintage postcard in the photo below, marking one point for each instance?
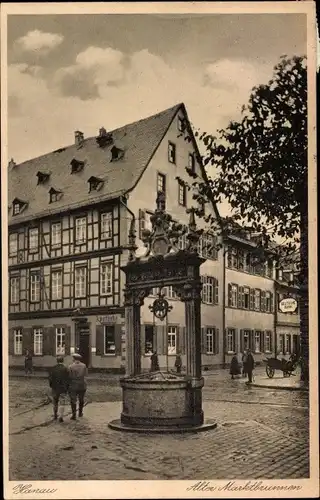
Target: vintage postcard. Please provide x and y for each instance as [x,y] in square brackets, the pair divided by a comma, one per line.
[159,237]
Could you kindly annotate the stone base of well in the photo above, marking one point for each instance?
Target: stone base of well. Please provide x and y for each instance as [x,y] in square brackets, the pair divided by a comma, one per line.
[161,402]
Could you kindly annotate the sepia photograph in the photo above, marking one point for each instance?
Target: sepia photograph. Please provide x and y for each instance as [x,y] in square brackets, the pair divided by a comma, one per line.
[159,226]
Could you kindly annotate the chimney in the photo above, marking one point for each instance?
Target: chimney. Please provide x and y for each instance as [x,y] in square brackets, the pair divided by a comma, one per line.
[102,132]
[78,138]
[11,163]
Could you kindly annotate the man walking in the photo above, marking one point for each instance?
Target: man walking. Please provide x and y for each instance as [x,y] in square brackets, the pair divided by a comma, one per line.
[59,383]
[250,366]
[78,385]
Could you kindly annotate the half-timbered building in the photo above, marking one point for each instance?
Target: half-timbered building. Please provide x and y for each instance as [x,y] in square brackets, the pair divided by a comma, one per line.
[69,216]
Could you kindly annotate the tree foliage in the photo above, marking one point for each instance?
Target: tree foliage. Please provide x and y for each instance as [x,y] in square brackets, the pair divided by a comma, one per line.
[259,163]
[259,166]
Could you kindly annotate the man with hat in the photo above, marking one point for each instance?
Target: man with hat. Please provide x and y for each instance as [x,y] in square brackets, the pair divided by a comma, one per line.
[59,383]
[77,385]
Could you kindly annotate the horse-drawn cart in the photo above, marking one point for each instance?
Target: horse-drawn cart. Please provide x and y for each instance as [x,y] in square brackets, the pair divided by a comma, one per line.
[286,366]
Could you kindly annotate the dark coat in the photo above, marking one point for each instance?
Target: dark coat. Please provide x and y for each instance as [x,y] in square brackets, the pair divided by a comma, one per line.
[59,378]
[250,362]
[77,375]
[234,366]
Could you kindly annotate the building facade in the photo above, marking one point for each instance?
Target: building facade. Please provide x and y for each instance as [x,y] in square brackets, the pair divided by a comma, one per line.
[69,218]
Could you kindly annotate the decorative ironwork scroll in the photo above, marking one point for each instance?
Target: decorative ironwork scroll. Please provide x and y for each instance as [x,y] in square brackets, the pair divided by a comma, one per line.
[160,307]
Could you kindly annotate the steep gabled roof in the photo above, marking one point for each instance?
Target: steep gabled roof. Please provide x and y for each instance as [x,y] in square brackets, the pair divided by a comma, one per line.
[139,140]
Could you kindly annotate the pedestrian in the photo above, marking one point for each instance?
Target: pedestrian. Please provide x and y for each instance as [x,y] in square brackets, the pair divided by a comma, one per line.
[250,366]
[244,363]
[154,362]
[77,385]
[59,383]
[234,367]
[28,363]
[178,363]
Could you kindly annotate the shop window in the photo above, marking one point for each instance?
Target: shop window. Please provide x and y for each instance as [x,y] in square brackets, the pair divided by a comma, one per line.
[149,339]
[109,339]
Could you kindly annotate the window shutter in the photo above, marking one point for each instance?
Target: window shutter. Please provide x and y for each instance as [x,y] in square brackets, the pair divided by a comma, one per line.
[203,341]
[99,340]
[27,340]
[162,340]
[236,340]
[142,222]
[251,299]
[241,341]
[11,341]
[262,346]
[263,301]
[48,333]
[155,339]
[216,291]
[271,341]
[67,340]
[53,342]
[117,339]
[272,302]
[229,295]
[216,347]
[240,295]
[251,340]
[225,341]
[182,339]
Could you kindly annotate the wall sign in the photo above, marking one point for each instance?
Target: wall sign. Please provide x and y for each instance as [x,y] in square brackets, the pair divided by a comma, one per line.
[109,319]
[288,305]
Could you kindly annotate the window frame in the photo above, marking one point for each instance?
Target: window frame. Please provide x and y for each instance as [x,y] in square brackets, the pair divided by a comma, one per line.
[15,252]
[180,122]
[17,293]
[182,193]
[109,287]
[60,331]
[56,244]
[191,162]
[37,288]
[84,230]
[108,215]
[33,249]
[235,289]
[105,330]
[267,335]
[172,149]
[211,333]
[17,332]
[256,295]
[257,332]
[77,270]
[60,273]
[37,331]
[172,333]
[246,335]
[231,334]
[163,178]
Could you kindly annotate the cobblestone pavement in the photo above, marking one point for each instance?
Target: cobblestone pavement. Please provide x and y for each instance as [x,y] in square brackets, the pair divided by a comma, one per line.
[261,433]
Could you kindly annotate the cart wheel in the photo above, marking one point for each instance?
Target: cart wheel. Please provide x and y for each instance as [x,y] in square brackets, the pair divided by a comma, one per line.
[269,371]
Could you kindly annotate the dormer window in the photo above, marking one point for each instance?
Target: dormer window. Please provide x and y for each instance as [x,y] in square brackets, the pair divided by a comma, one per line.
[55,195]
[104,138]
[95,184]
[116,153]
[76,166]
[18,206]
[42,177]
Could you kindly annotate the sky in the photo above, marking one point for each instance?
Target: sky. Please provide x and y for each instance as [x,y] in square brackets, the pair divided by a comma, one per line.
[82,72]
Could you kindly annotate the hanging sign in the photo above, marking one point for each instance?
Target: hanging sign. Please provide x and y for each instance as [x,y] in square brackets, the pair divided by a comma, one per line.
[288,305]
[109,319]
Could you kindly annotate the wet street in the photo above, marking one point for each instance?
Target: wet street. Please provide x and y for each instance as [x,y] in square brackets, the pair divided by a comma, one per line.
[261,433]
